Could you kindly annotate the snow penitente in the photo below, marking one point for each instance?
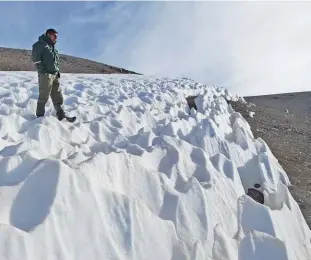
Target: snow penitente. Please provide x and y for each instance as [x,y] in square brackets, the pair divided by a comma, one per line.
[139,176]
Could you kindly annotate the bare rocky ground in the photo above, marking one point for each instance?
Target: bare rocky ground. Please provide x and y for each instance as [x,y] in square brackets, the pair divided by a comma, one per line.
[284,122]
[19,60]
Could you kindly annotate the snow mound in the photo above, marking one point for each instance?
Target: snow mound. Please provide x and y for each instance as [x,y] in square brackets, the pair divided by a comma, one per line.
[139,175]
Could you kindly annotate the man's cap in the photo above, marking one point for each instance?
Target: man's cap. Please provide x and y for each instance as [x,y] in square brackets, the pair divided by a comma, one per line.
[50,31]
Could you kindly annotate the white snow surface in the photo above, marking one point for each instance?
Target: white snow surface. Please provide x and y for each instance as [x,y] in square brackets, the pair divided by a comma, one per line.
[251,114]
[138,176]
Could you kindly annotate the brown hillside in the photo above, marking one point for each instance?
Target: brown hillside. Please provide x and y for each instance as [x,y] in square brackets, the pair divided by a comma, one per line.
[284,122]
[19,60]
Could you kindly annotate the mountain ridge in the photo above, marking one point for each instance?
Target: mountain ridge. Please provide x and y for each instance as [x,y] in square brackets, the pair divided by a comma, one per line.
[12,59]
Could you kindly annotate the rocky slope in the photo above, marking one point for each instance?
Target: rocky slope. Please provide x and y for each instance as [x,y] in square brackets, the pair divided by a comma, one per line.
[284,122]
[19,60]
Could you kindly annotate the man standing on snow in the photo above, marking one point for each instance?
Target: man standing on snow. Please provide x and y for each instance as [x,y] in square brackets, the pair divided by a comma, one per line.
[45,57]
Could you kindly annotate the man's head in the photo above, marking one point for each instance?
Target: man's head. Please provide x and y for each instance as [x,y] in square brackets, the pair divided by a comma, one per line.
[52,34]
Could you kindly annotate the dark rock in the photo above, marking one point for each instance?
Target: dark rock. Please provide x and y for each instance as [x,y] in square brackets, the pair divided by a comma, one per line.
[256,195]
[191,102]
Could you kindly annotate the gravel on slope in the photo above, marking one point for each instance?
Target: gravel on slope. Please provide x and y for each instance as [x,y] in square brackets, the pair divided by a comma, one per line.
[284,122]
[19,60]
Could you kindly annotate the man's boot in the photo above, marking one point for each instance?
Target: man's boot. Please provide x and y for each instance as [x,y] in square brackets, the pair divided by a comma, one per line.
[60,115]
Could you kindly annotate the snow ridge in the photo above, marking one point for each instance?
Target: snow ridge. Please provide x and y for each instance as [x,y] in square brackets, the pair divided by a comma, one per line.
[139,175]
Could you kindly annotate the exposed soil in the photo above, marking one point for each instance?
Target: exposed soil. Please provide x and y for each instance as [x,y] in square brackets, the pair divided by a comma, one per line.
[19,60]
[284,122]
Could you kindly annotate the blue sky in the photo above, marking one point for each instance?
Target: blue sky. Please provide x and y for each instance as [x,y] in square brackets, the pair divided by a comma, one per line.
[27,20]
[248,47]
[85,28]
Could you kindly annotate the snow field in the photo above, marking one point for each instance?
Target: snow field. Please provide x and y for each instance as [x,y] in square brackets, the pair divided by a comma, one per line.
[139,175]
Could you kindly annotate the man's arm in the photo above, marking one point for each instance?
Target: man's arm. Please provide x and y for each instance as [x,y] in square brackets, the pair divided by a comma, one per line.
[36,53]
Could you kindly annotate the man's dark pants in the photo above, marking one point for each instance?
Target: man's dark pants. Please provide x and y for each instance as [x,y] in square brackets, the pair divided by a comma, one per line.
[49,86]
